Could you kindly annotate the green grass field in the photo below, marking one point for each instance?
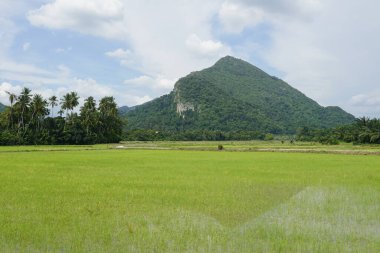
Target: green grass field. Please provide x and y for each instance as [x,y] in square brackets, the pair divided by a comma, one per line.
[99,199]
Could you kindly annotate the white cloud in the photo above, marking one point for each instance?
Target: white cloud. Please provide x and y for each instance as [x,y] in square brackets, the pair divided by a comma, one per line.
[139,81]
[367,104]
[333,57]
[95,17]
[304,9]
[89,86]
[206,48]
[235,17]
[140,100]
[158,83]
[11,66]
[366,100]
[125,57]
[156,34]
[8,87]
[26,73]
[119,53]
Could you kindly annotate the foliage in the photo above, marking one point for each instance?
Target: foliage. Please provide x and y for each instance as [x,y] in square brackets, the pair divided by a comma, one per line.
[269,137]
[234,96]
[190,135]
[362,131]
[27,120]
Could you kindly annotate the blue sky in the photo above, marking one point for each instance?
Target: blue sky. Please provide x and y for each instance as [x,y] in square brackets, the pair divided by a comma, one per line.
[136,50]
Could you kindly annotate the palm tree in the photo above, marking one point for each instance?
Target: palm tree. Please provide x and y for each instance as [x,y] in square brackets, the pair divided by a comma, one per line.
[53,101]
[12,99]
[74,100]
[88,113]
[363,121]
[375,137]
[24,103]
[39,110]
[66,103]
[69,101]
[109,121]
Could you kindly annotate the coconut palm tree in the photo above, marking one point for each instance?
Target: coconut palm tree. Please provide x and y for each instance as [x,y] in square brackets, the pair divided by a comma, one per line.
[66,103]
[89,114]
[24,104]
[12,99]
[69,102]
[39,109]
[74,100]
[53,101]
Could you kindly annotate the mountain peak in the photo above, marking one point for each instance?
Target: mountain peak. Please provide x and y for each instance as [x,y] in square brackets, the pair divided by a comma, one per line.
[239,67]
[230,60]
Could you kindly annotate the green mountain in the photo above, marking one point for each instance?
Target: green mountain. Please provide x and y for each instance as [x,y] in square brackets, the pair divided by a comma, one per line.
[2,107]
[124,109]
[234,95]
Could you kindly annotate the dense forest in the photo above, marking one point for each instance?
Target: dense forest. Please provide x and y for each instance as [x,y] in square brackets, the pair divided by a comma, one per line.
[31,119]
[193,135]
[362,131]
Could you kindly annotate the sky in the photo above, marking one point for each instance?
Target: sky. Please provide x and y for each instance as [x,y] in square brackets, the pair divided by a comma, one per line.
[135,50]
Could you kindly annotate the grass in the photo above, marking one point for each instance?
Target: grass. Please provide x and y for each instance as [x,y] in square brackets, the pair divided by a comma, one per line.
[107,200]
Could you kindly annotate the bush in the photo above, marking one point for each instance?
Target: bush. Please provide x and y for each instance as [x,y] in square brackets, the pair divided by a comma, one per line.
[268,137]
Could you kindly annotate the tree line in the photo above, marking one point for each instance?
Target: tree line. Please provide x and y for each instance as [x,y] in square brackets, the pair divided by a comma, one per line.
[31,119]
[363,131]
[193,135]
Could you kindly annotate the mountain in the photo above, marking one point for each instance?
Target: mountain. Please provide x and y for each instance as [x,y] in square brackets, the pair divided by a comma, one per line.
[124,109]
[234,95]
[2,107]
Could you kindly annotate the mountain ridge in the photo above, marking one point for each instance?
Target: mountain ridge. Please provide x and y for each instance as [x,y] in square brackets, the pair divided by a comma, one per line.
[234,95]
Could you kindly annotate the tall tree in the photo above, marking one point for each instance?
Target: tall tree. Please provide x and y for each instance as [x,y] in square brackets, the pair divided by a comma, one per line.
[110,122]
[39,110]
[89,115]
[24,103]
[12,100]
[53,101]
[60,113]
[74,100]
[69,101]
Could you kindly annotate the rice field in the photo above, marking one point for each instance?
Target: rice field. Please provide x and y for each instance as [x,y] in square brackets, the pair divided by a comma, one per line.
[188,197]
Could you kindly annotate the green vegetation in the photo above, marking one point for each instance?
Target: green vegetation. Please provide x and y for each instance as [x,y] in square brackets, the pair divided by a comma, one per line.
[188,201]
[2,107]
[26,120]
[234,96]
[363,131]
[190,135]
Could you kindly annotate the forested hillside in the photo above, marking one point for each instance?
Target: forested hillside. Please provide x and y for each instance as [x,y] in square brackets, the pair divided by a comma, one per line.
[234,95]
